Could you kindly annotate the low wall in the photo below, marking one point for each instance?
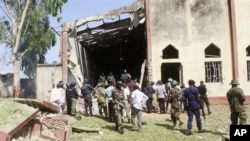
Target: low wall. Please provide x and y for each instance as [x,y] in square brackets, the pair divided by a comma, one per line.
[223,100]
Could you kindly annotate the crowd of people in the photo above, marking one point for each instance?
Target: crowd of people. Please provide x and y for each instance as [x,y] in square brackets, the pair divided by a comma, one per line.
[126,99]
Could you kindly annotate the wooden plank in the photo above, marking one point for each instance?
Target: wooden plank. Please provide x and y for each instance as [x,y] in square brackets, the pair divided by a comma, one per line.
[40,104]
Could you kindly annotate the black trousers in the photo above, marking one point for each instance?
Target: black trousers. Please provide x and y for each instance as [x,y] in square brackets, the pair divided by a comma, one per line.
[161,104]
[149,104]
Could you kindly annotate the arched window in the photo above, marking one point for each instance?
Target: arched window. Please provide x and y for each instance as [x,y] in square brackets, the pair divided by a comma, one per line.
[170,52]
[212,51]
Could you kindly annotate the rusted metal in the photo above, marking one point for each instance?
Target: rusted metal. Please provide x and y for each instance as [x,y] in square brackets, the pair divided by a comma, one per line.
[233,35]
[148,34]
[64,53]
[8,136]
[42,105]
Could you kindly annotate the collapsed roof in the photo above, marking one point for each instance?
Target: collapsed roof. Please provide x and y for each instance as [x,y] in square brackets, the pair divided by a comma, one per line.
[116,37]
[110,28]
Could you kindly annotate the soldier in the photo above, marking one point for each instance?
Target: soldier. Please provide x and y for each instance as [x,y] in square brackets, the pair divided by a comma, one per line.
[203,96]
[71,96]
[192,106]
[86,90]
[118,97]
[174,99]
[236,98]
[102,79]
[101,99]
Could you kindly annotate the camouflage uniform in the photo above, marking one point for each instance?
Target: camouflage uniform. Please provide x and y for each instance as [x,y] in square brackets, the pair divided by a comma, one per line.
[174,99]
[118,97]
[236,100]
[101,99]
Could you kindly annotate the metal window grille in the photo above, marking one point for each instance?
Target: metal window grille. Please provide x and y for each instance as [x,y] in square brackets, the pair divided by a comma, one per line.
[248,70]
[213,72]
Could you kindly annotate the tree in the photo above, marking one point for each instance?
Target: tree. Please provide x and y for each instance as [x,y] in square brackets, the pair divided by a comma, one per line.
[22,29]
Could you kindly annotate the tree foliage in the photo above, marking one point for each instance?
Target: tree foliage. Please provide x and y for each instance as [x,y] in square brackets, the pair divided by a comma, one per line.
[25,28]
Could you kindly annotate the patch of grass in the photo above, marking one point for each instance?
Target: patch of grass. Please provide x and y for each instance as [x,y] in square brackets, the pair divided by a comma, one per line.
[159,127]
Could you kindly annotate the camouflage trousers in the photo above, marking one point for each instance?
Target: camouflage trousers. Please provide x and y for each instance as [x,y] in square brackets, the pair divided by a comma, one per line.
[102,107]
[175,112]
[238,115]
[118,118]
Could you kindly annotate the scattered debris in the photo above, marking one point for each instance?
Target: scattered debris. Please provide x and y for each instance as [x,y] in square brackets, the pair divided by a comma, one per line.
[84,129]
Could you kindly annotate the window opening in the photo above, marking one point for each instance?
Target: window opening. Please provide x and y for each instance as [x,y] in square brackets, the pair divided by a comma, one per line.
[212,51]
[248,70]
[213,72]
[248,51]
[170,52]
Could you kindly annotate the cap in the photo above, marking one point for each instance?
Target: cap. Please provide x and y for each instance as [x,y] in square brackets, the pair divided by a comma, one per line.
[234,82]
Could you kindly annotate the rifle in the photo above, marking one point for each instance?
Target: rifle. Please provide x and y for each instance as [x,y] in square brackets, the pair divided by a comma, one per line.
[201,102]
[119,104]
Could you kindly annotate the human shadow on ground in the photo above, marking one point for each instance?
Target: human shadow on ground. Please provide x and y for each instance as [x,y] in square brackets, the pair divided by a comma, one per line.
[112,128]
[184,131]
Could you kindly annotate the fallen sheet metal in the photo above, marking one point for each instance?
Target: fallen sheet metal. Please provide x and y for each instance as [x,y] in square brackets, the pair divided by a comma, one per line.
[40,104]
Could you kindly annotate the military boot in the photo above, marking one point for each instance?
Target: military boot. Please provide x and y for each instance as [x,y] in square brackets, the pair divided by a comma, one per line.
[86,111]
[208,110]
[90,111]
[189,132]
[120,129]
[201,130]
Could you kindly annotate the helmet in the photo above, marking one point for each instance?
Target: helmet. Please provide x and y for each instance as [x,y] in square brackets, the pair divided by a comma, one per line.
[72,84]
[174,82]
[67,85]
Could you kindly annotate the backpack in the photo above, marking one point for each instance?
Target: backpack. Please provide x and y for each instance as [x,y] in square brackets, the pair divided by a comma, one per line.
[85,89]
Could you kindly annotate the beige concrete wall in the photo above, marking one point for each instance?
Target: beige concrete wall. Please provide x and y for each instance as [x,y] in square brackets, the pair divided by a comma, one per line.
[191,26]
[47,75]
[243,40]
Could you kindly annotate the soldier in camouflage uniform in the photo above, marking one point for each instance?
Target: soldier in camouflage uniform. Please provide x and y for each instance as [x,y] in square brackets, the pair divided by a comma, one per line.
[174,99]
[118,97]
[236,98]
[101,99]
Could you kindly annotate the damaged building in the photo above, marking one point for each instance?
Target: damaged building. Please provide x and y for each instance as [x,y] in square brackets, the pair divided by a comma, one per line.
[155,40]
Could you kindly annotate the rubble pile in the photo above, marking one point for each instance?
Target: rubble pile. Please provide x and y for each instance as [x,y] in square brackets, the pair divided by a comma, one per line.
[12,114]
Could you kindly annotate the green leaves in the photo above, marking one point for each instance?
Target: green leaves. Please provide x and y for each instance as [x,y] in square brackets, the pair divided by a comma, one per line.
[33,25]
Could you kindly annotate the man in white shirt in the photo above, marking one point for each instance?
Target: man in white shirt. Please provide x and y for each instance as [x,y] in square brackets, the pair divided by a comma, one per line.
[137,98]
[55,95]
[126,111]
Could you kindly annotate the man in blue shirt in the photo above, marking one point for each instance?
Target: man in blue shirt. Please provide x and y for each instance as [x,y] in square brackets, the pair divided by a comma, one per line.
[192,106]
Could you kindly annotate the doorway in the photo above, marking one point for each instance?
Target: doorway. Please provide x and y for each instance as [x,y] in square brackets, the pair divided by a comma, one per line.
[171,70]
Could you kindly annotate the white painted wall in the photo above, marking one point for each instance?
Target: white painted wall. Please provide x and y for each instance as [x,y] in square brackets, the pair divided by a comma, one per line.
[191,26]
